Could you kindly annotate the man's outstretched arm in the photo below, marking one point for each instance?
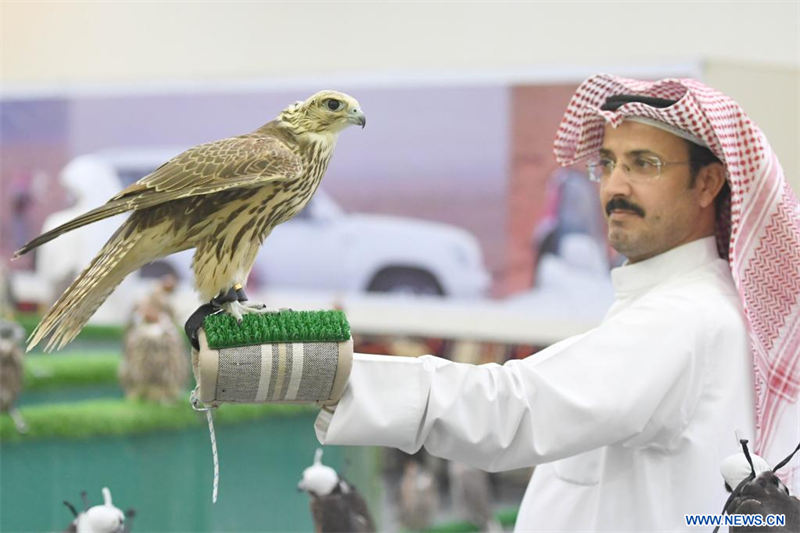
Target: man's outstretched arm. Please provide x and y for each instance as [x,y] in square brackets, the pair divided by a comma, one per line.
[635,378]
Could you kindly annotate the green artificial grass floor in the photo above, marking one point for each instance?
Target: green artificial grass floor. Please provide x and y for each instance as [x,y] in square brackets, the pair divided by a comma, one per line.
[89,332]
[100,417]
[74,372]
[70,370]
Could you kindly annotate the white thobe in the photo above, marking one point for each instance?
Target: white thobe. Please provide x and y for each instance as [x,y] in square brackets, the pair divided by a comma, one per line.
[629,421]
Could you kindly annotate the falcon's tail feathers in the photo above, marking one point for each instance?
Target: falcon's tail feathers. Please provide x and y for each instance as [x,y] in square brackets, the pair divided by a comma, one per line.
[104,211]
[65,319]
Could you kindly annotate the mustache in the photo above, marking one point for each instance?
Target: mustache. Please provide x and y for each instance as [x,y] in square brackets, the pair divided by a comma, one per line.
[622,203]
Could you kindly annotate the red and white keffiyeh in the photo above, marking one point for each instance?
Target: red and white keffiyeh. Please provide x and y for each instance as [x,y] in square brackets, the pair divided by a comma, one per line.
[759,232]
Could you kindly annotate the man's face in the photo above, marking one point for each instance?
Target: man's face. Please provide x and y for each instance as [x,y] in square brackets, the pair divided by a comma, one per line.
[651,217]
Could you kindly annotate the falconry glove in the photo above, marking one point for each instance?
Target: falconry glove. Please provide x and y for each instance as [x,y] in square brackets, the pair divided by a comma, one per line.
[282,357]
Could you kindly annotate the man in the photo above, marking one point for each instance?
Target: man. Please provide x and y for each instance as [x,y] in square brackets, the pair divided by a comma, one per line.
[630,421]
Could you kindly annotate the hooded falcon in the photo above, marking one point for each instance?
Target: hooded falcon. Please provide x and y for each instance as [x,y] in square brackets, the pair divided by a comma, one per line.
[335,504]
[221,198]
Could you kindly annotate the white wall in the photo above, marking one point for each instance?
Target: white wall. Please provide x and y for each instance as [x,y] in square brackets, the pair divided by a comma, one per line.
[771,96]
[135,41]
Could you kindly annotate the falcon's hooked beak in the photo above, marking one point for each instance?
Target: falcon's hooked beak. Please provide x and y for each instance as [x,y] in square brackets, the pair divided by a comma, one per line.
[357,117]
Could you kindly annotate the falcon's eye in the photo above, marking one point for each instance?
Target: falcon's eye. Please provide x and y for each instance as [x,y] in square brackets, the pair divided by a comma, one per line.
[333,104]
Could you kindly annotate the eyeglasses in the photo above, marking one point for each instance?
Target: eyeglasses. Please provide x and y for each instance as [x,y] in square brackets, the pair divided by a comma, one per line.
[639,168]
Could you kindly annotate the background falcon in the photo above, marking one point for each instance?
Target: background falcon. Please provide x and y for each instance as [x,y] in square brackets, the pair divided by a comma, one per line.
[336,505]
[222,198]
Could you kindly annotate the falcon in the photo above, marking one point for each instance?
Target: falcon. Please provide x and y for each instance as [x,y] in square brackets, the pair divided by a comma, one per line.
[221,198]
[104,518]
[335,504]
[759,492]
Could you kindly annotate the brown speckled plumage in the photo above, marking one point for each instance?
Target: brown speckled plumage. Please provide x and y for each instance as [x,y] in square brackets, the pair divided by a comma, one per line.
[155,362]
[222,198]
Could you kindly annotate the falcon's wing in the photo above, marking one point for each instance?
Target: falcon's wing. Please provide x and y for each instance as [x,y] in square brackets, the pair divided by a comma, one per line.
[335,512]
[236,162]
[361,519]
[245,161]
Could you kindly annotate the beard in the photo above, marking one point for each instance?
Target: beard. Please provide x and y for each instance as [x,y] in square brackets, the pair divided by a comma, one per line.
[636,244]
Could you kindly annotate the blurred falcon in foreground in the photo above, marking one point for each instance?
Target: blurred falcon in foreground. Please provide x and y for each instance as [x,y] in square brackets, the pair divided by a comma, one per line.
[222,198]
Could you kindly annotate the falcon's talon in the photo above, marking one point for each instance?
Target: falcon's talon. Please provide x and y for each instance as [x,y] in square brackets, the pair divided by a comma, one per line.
[234,309]
[261,308]
[237,309]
